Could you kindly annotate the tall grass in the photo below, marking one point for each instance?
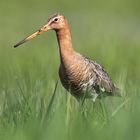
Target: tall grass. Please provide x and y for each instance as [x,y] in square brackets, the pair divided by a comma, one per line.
[33,103]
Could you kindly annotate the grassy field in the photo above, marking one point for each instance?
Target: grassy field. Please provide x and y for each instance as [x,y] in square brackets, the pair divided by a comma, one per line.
[33,103]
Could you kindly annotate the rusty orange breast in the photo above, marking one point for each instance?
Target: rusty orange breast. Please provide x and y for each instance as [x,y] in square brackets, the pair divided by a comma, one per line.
[72,73]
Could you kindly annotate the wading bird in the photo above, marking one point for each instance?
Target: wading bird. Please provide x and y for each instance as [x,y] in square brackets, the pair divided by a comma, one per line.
[78,74]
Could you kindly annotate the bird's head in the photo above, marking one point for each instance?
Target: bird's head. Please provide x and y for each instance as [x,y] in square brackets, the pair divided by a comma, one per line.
[55,22]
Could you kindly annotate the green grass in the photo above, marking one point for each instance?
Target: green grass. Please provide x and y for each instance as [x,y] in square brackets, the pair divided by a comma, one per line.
[33,103]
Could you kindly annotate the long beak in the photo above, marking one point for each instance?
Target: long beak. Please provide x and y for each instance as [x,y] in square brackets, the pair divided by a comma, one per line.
[40,31]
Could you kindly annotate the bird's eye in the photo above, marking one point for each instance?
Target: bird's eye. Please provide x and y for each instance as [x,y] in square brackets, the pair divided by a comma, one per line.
[56,19]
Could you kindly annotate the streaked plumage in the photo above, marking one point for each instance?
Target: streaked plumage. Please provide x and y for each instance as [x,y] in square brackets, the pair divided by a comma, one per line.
[86,77]
[79,75]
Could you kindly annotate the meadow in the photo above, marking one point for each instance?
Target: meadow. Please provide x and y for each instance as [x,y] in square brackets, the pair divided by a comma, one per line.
[33,103]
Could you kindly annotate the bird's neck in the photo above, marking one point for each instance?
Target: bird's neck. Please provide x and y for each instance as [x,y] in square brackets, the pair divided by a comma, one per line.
[65,44]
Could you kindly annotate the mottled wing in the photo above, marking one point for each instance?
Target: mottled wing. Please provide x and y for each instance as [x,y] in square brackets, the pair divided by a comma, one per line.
[104,82]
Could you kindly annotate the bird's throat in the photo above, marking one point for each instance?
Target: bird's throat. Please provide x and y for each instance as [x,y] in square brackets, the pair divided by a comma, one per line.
[65,44]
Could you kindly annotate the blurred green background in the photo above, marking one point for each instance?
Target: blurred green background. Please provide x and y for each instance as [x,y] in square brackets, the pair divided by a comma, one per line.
[30,107]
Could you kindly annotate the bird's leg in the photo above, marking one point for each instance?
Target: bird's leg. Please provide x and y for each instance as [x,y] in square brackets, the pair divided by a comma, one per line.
[81,99]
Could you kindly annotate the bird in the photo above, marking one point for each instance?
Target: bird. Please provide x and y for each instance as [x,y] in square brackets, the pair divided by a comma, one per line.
[79,75]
